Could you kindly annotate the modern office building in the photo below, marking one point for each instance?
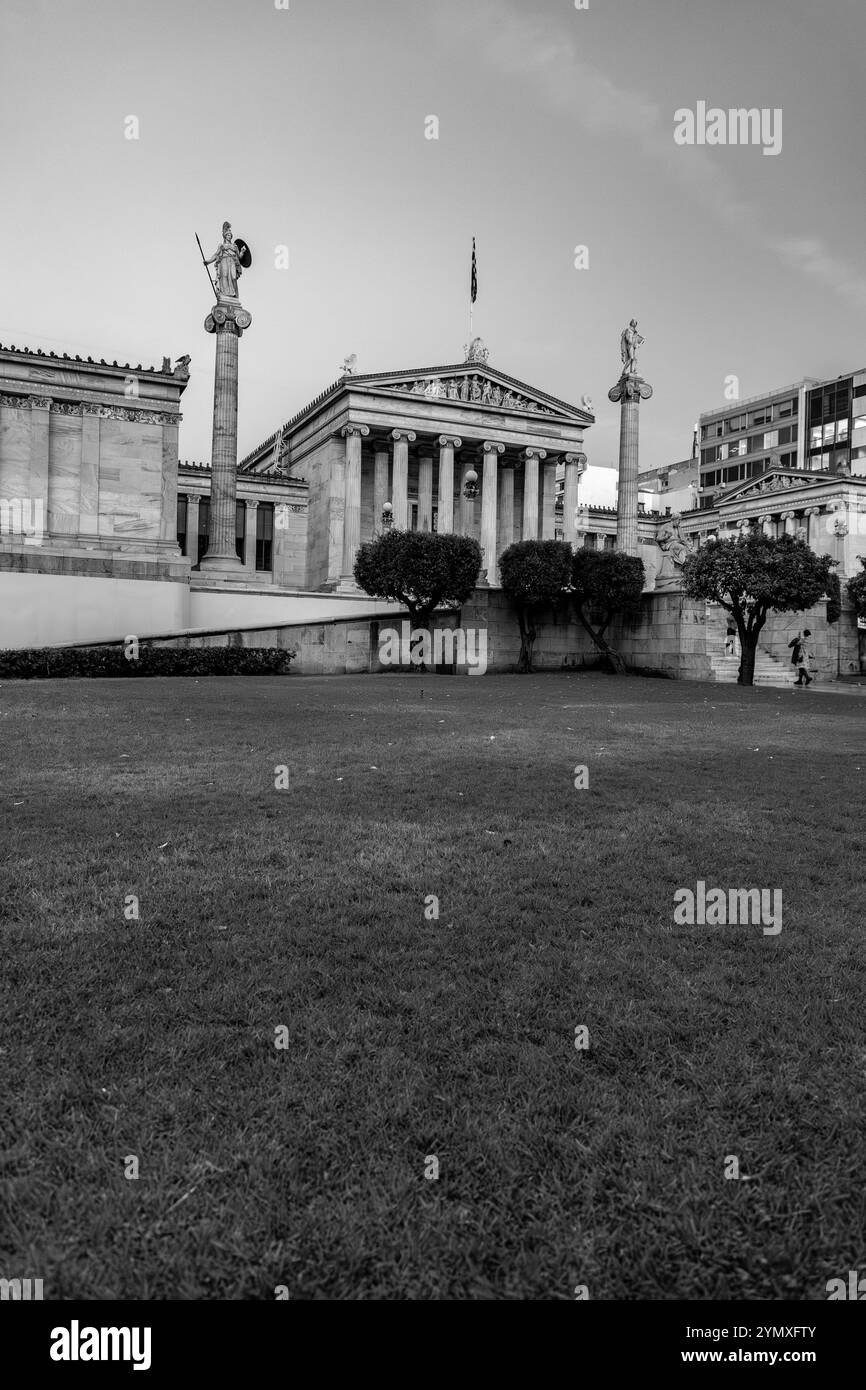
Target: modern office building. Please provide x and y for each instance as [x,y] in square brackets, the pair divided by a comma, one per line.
[812,425]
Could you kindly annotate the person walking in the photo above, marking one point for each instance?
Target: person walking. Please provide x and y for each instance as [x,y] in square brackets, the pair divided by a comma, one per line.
[801,658]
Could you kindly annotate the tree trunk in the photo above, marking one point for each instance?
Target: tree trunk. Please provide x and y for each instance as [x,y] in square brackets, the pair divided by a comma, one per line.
[527,638]
[616,662]
[748,651]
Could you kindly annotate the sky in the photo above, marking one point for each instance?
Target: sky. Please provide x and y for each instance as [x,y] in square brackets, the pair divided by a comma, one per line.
[306,128]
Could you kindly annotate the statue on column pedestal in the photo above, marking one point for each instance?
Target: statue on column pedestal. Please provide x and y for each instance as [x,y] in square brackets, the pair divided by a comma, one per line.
[228,258]
[629,343]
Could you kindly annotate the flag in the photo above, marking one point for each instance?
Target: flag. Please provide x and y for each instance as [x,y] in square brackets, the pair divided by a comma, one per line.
[473,283]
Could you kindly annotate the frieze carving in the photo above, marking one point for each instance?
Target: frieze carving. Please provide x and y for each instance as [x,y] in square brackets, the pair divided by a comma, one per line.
[474,390]
[778,483]
[105,412]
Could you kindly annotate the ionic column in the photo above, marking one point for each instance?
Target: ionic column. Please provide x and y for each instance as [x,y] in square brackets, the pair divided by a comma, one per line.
[380,485]
[548,500]
[227,322]
[353,435]
[447,444]
[425,492]
[251,516]
[531,458]
[492,452]
[506,507]
[190,550]
[630,390]
[808,513]
[788,518]
[400,478]
[575,464]
[467,504]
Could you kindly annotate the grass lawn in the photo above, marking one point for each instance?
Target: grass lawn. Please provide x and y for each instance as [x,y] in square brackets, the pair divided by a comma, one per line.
[406,1037]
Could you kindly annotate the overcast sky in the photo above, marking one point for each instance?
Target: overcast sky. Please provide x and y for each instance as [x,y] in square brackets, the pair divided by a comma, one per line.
[306,127]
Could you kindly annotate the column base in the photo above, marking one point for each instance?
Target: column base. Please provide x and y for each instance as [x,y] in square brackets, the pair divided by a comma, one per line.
[229,564]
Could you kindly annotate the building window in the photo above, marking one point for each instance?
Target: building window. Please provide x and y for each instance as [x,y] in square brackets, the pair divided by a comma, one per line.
[265,536]
[610,542]
[784,409]
[203,527]
[181,522]
[240,530]
[771,439]
[590,541]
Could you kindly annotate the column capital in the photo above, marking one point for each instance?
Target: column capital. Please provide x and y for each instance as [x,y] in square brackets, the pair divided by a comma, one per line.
[787,516]
[630,388]
[228,318]
[250,501]
[450,439]
[490,446]
[409,436]
[812,511]
[362,430]
[532,453]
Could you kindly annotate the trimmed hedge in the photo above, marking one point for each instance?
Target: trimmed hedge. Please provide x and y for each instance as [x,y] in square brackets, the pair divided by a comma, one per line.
[42,662]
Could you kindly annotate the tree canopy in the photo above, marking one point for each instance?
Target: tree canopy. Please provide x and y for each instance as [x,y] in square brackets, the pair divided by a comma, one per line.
[605,582]
[420,569]
[534,573]
[755,575]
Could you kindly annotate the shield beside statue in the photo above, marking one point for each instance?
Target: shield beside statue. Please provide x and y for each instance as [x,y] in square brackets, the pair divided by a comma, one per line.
[245,255]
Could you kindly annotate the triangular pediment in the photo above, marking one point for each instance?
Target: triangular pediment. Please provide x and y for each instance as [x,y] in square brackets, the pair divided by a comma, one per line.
[774,480]
[472,384]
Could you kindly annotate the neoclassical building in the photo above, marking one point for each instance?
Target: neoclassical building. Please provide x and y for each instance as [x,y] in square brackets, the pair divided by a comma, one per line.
[103,529]
[460,448]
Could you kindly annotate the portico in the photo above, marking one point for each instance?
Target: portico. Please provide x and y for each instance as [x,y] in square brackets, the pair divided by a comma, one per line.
[461,448]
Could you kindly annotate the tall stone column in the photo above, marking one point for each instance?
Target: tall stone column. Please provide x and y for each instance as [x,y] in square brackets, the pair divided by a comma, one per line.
[811,526]
[445,517]
[227,321]
[490,479]
[548,501]
[531,459]
[425,492]
[191,547]
[400,474]
[380,485]
[506,506]
[467,504]
[630,390]
[353,435]
[575,464]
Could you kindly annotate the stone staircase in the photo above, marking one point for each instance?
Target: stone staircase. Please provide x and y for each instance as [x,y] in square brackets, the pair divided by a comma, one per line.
[768,670]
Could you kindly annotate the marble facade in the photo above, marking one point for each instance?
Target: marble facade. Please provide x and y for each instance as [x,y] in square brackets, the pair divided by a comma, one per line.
[410,439]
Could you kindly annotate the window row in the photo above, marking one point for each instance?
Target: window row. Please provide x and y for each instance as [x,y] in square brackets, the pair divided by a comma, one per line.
[264,531]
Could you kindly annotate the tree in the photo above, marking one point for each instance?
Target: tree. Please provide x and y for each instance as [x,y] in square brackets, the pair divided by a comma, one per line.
[857,590]
[420,569]
[534,573]
[756,575]
[605,582]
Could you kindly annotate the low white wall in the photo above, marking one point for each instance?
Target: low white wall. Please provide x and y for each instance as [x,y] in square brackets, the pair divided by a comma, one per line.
[52,610]
[211,609]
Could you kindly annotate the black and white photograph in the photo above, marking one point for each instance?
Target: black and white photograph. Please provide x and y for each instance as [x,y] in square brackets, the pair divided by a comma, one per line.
[432,671]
